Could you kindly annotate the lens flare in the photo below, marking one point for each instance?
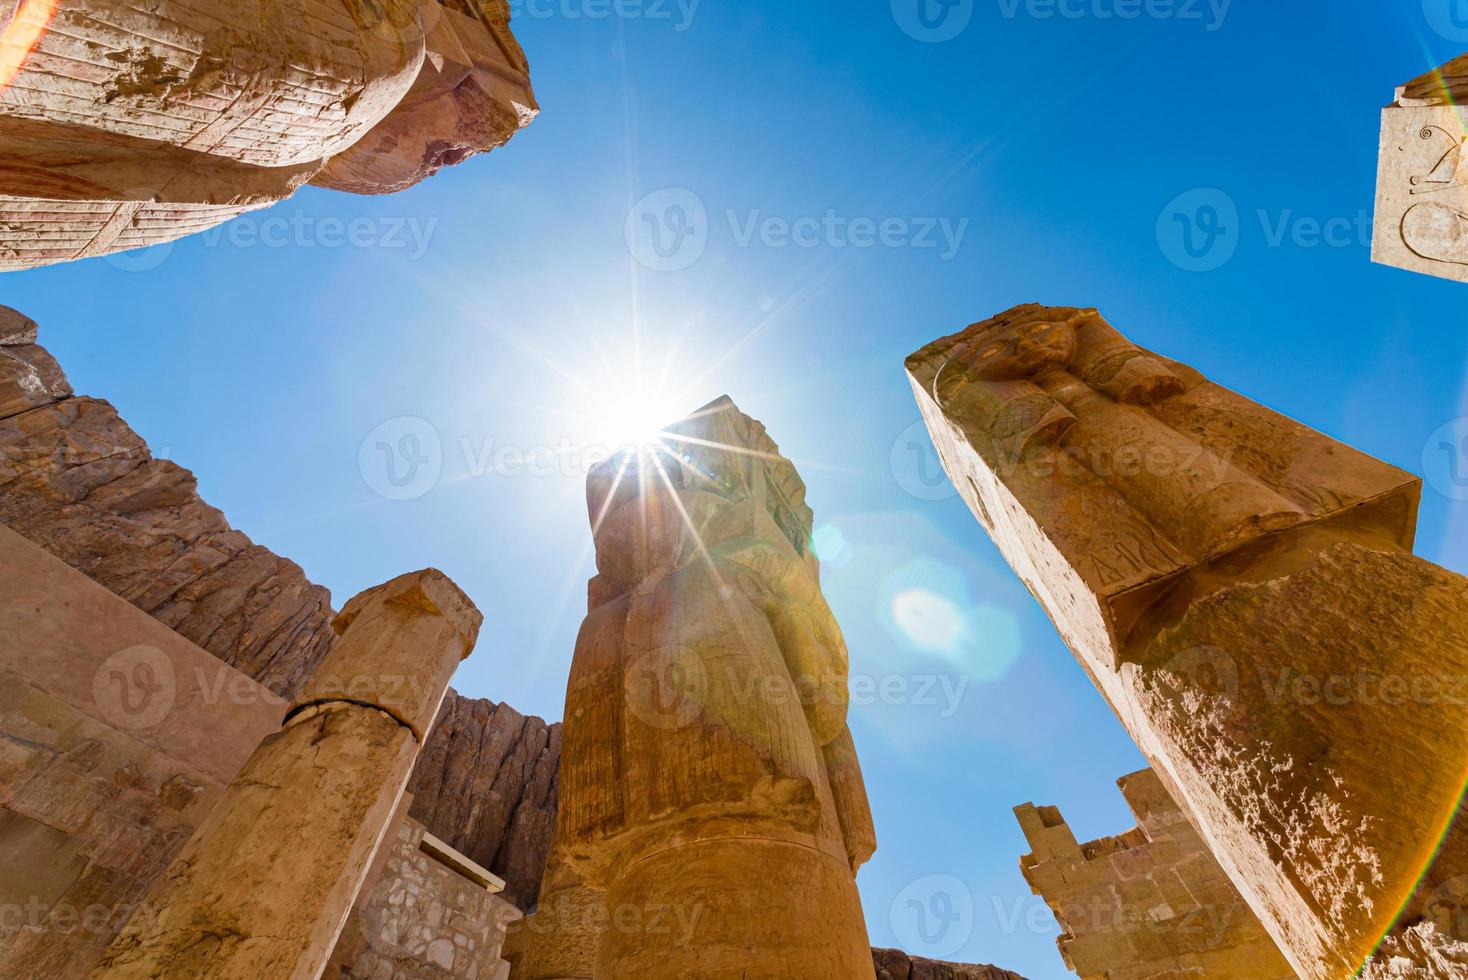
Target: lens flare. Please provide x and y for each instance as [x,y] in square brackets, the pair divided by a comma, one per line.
[22,35]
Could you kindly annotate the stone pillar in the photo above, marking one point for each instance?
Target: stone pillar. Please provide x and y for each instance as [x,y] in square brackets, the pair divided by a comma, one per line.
[264,886]
[1242,590]
[1422,184]
[708,783]
[206,110]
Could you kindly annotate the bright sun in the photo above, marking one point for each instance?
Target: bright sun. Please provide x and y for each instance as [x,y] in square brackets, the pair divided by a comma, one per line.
[634,417]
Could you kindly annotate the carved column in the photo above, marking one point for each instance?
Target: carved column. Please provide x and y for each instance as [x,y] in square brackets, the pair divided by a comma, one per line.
[264,886]
[201,111]
[1242,590]
[708,782]
[1422,183]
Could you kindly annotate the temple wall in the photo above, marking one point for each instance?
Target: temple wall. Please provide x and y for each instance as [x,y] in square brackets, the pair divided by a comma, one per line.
[1151,903]
[117,736]
[421,920]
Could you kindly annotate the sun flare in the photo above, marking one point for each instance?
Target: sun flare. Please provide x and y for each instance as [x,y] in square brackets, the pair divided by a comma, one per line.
[634,417]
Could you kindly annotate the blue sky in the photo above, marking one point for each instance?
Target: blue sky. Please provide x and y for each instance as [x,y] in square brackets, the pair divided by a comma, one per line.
[835,185]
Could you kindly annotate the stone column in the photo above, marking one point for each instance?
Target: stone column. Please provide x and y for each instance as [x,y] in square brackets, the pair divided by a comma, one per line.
[264,886]
[709,787]
[1242,590]
[1422,184]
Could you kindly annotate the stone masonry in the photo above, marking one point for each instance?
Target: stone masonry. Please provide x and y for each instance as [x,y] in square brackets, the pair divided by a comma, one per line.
[1242,590]
[1422,185]
[124,126]
[420,920]
[1149,904]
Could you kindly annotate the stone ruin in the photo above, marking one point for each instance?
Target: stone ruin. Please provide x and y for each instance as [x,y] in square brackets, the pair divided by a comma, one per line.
[150,654]
[1242,590]
[1421,219]
[124,125]
[1151,902]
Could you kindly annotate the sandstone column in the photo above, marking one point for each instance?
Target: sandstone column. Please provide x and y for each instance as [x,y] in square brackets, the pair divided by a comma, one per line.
[1242,590]
[1422,184]
[263,887]
[708,782]
[202,110]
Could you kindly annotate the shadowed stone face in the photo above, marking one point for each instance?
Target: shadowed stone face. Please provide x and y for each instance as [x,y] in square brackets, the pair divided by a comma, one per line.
[1242,590]
[1014,352]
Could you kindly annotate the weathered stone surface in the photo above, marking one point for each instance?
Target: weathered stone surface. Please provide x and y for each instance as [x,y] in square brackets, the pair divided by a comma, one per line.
[29,375]
[1242,591]
[1149,904]
[76,479]
[708,680]
[1422,185]
[126,127]
[117,737]
[419,920]
[472,94]
[486,783]
[265,885]
[894,964]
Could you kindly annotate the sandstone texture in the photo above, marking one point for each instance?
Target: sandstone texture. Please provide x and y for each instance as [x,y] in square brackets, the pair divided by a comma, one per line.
[266,884]
[416,919]
[894,964]
[1242,590]
[79,482]
[117,738]
[708,789]
[486,784]
[1421,219]
[1148,904]
[127,126]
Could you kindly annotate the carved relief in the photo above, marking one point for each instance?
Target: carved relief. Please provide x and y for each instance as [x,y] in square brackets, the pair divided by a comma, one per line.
[124,126]
[1422,196]
[705,733]
[1132,466]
